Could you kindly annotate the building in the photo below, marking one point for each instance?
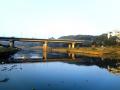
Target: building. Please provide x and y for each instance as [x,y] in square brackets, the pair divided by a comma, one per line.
[113,33]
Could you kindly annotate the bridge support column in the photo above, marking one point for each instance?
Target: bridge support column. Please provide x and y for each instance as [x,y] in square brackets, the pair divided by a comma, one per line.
[73,56]
[69,45]
[11,43]
[45,46]
[44,56]
[73,44]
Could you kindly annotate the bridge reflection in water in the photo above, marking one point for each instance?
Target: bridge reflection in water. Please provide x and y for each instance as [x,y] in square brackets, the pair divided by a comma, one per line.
[60,72]
[112,66]
[71,56]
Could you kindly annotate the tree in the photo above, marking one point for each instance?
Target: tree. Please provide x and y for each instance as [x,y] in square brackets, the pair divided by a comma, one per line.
[103,40]
[111,41]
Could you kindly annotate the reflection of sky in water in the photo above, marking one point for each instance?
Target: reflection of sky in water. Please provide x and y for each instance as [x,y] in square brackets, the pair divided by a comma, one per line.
[34,54]
[28,54]
[57,76]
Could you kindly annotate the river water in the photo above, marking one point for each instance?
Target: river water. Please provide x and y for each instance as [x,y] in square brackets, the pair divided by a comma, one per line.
[59,72]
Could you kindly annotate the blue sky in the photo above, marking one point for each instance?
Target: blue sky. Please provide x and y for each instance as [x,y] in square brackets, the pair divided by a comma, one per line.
[54,18]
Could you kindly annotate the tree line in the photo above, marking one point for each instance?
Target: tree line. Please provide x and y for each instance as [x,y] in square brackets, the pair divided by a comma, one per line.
[103,40]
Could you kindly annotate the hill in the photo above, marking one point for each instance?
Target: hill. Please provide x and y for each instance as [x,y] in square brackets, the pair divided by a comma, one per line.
[79,37]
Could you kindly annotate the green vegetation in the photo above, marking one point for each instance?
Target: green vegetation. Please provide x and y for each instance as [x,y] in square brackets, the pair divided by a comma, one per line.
[100,46]
[103,40]
[79,37]
[5,52]
[3,49]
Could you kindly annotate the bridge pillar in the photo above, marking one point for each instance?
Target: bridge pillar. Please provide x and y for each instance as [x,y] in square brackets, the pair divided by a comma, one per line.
[73,44]
[73,56]
[11,43]
[69,45]
[45,46]
[44,56]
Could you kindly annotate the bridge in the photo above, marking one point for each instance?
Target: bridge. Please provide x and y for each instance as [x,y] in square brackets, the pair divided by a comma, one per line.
[71,43]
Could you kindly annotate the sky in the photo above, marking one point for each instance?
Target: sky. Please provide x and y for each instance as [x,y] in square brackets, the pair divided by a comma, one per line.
[55,18]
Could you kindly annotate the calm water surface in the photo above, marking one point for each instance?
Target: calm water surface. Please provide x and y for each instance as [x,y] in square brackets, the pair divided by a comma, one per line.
[58,75]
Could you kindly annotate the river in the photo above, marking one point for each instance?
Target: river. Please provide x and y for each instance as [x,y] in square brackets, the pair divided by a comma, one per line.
[58,72]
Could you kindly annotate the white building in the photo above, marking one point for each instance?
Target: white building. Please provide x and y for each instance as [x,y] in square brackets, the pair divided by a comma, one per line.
[113,33]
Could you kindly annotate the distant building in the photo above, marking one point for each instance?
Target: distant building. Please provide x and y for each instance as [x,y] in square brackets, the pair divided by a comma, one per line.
[113,33]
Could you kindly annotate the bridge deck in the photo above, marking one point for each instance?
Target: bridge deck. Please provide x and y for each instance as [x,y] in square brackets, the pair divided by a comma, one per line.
[39,40]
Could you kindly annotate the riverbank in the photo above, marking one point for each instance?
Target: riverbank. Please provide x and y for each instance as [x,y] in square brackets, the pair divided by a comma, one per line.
[103,52]
[6,52]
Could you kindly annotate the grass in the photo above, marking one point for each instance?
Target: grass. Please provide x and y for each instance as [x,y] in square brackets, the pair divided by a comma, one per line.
[3,49]
[112,52]
[7,52]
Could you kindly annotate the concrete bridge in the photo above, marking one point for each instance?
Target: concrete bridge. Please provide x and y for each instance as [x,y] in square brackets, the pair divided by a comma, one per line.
[71,43]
